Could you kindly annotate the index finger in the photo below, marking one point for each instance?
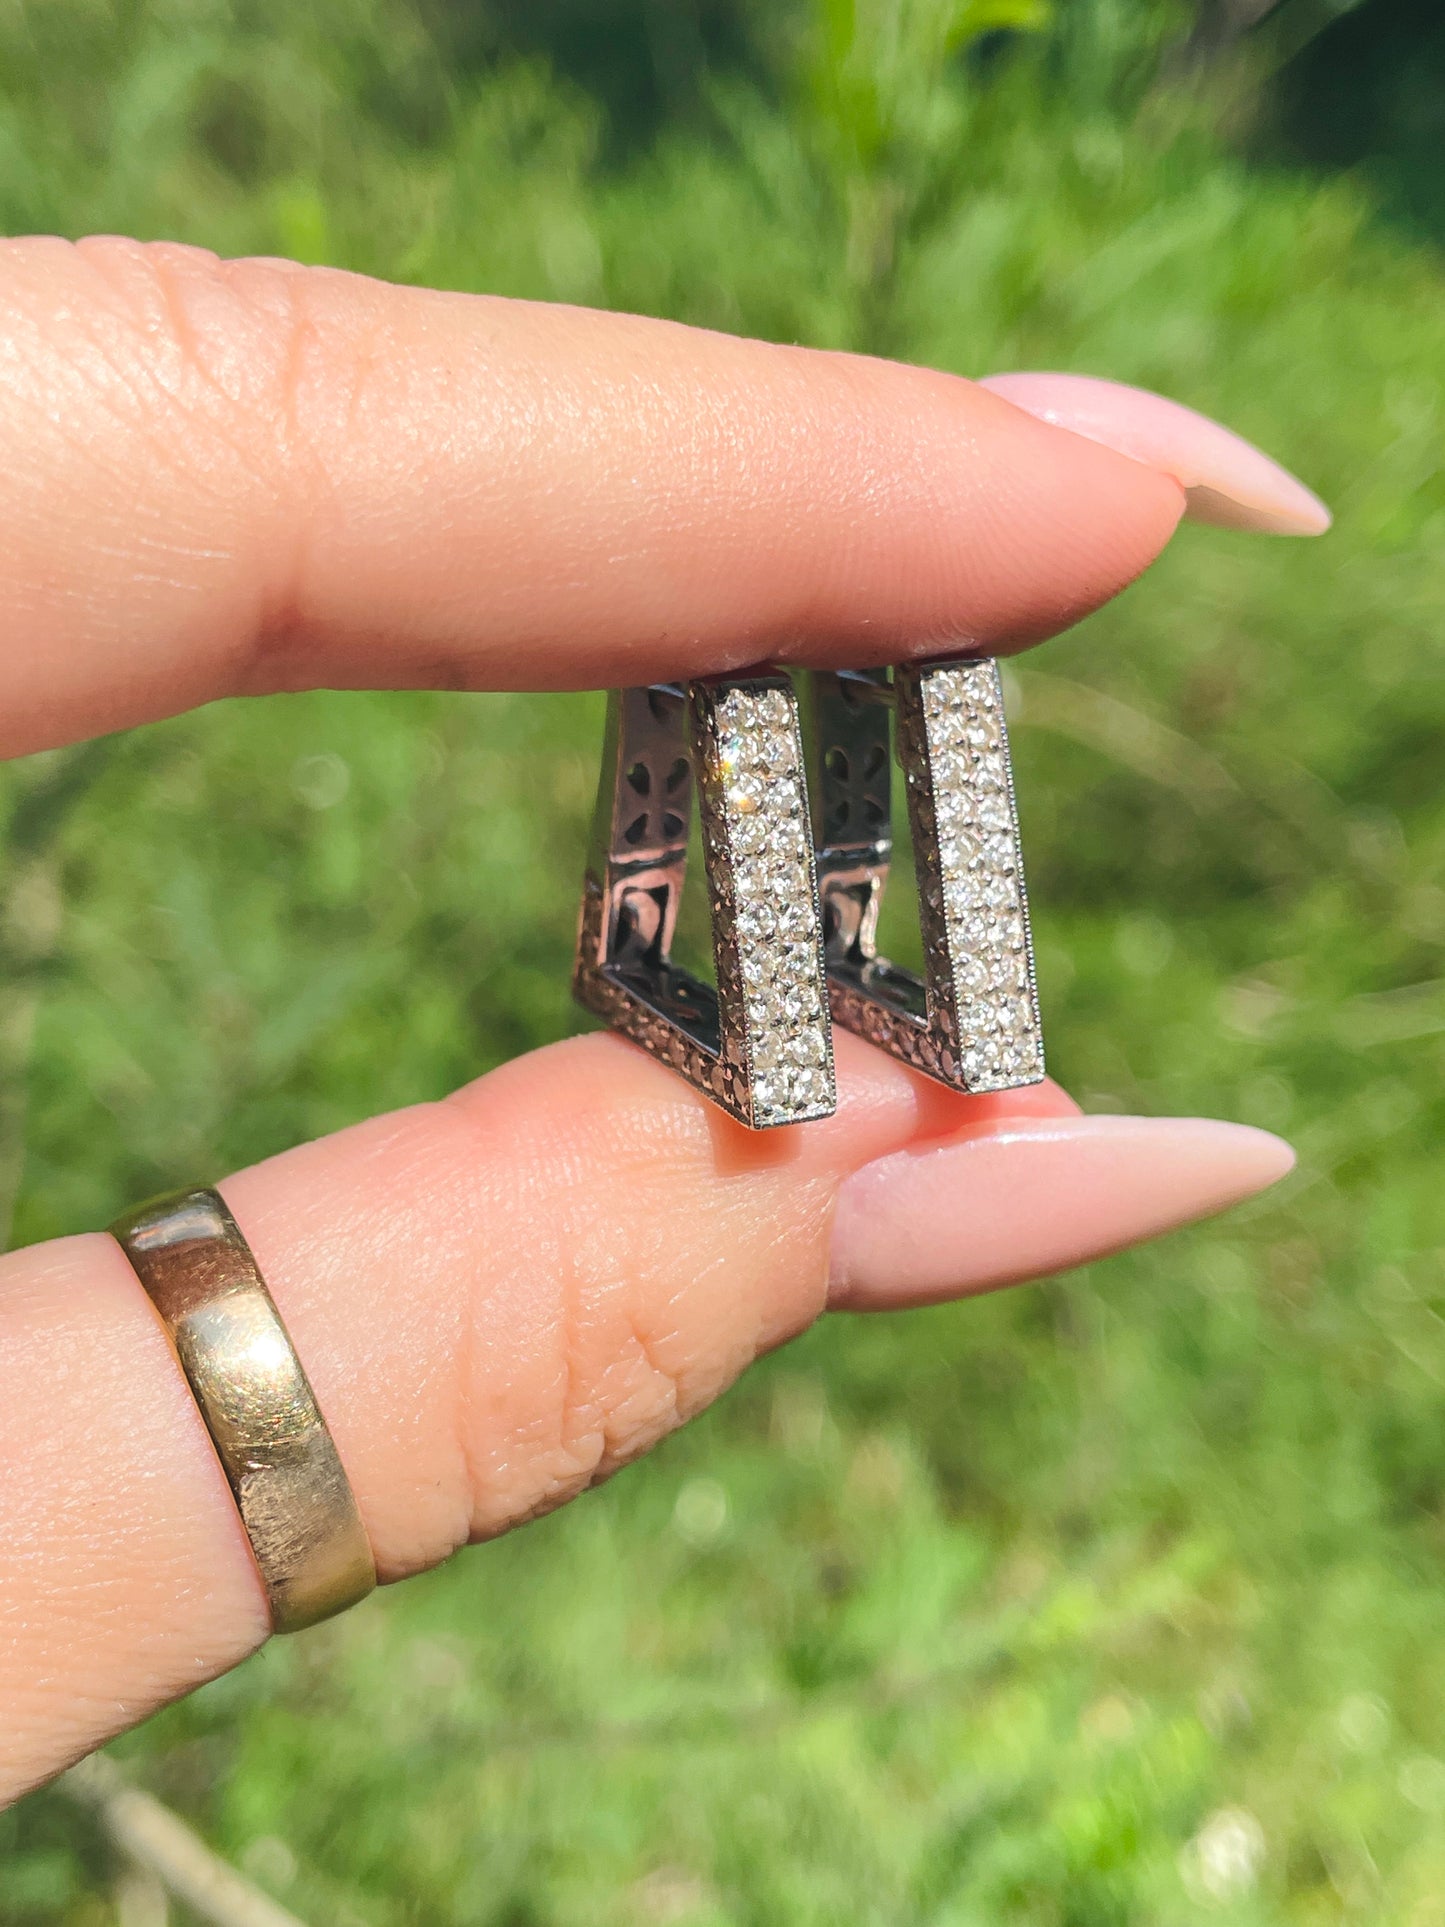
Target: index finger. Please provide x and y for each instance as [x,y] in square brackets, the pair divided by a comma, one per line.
[235,477]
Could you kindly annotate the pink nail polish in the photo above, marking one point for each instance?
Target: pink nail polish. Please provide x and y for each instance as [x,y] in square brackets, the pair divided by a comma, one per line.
[1033,1196]
[1227,480]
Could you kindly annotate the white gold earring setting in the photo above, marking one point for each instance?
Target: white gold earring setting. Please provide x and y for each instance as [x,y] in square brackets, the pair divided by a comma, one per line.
[797,846]
[972,1019]
[760,1044]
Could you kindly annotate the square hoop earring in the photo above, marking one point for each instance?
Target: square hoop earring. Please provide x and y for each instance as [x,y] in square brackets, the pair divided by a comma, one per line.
[761,1044]
[972,1020]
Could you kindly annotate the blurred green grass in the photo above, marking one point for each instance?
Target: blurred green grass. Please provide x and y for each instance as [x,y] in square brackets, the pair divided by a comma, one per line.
[1028,1611]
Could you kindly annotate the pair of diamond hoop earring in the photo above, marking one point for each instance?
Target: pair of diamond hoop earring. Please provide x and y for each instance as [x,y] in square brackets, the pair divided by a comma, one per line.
[795,801]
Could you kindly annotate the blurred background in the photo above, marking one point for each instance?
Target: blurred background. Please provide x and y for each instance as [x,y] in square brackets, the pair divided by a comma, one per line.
[1115,1600]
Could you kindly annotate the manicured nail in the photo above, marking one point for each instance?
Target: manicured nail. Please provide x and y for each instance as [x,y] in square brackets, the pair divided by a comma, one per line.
[1032,1196]
[1226,480]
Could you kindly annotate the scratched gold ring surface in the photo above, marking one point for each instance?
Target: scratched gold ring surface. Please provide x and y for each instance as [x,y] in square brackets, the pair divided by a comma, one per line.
[279,1458]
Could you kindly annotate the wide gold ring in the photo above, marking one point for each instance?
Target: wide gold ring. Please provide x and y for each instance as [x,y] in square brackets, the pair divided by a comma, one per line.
[280,1460]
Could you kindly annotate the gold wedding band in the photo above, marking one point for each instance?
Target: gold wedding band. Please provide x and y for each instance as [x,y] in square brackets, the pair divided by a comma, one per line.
[282,1465]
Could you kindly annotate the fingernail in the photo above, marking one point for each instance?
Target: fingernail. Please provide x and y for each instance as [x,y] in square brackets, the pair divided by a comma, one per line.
[1226,480]
[1027,1198]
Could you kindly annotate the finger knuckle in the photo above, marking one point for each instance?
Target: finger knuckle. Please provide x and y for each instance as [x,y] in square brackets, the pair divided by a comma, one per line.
[585,1345]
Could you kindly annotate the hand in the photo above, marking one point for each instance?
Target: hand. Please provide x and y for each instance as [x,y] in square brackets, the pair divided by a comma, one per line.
[230,478]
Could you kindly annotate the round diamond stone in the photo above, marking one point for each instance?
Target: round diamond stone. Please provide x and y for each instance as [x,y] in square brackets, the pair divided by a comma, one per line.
[795,919]
[950,769]
[963,848]
[1004,971]
[766,1051]
[778,749]
[793,963]
[1013,1019]
[745,795]
[971,976]
[950,813]
[749,835]
[789,876]
[978,1019]
[961,895]
[806,1048]
[733,752]
[809,1087]
[755,921]
[955,851]
[770,1093]
[798,1003]
[973,930]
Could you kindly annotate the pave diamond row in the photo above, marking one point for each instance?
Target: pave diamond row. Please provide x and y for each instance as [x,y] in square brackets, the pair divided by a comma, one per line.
[984,903]
[775,902]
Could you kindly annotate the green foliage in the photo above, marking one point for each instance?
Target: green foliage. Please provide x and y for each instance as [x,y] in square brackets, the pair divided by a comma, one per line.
[873,64]
[1023,1611]
[1367,90]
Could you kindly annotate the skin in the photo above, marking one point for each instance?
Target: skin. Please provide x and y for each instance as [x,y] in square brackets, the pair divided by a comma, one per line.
[231,478]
